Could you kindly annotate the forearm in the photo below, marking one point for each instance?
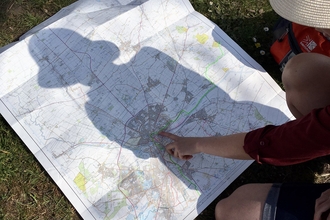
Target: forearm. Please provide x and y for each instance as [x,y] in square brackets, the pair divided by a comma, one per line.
[230,146]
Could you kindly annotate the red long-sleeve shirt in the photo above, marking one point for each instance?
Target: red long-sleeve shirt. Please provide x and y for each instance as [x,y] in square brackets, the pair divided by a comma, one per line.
[293,142]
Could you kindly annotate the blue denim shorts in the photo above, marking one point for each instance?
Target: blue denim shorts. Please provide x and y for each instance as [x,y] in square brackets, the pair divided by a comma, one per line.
[292,201]
[269,212]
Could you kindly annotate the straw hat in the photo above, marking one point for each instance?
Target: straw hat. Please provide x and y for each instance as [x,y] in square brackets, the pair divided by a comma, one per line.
[313,13]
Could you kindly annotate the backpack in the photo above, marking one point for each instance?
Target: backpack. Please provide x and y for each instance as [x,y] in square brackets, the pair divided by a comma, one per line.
[292,39]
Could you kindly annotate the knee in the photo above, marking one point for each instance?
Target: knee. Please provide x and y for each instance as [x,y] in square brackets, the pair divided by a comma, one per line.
[223,209]
[247,200]
[304,67]
[230,207]
[292,71]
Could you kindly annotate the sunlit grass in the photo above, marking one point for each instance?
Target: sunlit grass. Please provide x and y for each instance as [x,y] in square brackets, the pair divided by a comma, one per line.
[19,16]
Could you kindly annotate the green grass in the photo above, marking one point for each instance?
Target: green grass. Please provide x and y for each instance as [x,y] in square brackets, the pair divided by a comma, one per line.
[26,190]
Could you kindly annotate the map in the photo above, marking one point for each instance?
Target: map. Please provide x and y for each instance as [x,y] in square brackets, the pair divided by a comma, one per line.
[89,90]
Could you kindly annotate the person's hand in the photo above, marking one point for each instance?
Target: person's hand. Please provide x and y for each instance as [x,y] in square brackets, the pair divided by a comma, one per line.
[322,206]
[181,147]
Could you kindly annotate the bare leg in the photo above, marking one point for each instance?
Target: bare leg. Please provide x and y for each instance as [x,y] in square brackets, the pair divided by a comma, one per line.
[306,79]
[246,202]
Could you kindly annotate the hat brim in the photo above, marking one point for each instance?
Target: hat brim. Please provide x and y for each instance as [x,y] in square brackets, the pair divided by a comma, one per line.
[313,13]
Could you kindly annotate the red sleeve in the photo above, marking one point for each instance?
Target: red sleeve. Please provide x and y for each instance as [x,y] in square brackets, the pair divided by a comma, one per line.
[293,142]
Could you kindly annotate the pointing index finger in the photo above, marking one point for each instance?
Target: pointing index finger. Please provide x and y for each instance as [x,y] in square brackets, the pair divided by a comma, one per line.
[168,135]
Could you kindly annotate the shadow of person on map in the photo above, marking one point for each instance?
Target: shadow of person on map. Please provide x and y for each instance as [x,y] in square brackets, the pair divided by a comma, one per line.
[129,102]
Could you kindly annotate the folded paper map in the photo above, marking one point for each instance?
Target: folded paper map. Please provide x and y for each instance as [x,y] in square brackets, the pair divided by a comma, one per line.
[89,89]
